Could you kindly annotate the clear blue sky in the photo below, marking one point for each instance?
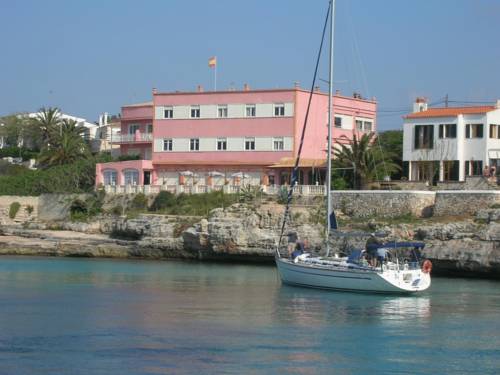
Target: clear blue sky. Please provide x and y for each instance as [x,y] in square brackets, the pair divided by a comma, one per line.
[91,56]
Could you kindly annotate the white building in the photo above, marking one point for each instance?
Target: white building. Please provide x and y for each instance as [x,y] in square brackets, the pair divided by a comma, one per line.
[90,128]
[448,144]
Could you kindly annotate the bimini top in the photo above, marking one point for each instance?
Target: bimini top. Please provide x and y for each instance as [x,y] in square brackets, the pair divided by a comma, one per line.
[394,245]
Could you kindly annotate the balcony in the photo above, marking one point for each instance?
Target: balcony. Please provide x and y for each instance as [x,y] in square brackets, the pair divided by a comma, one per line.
[138,137]
[305,190]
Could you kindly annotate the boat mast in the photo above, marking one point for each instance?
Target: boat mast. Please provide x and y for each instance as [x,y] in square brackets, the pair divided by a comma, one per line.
[329,149]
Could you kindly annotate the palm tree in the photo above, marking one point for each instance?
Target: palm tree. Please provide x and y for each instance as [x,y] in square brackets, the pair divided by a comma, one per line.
[65,144]
[366,159]
[47,120]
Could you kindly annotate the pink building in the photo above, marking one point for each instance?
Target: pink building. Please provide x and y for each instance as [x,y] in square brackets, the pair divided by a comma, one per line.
[211,139]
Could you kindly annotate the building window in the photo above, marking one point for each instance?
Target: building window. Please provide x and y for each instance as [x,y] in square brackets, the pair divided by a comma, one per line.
[278,144]
[338,122]
[447,130]
[474,131]
[194,144]
[168,112]
[221,144]
[494,131]
[149,128]
[250,110]
[168,144]
[131,177]
[475,167]
[249,144]
[195,111]
[133,128]
[368,126]
[222,111]
[279,110]
[450,170]
[424,137]
[359,124]
[110,177]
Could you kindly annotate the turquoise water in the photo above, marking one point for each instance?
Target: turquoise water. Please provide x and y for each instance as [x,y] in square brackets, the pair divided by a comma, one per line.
[81,316]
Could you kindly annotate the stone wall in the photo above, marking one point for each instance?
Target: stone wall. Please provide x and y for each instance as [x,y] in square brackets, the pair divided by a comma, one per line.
[383,203]
[453,203]
[471,183]
[55,207]
[23,213]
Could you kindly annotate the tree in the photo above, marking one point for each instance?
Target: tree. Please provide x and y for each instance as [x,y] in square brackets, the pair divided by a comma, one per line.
[366,158]
[391,142]
[47,120]
[65,144]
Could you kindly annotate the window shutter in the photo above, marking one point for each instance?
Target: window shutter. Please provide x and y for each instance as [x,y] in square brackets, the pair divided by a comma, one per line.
[467,131]
[480,131]
[453,129]
[416,136]
[431,137]
[441,131]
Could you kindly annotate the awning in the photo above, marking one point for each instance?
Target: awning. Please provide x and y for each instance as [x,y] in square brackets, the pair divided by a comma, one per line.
[303,163]
[494,154]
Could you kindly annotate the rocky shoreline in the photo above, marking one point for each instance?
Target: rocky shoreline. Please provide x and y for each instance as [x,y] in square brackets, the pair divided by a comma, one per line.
[465,247]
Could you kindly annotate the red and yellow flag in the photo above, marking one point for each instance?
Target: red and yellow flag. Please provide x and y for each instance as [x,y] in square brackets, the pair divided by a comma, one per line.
[212,62]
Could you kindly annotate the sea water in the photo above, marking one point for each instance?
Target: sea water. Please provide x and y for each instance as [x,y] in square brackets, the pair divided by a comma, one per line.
[85,316]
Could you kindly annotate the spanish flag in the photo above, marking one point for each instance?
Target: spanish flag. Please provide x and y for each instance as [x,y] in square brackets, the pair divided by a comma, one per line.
[212,62]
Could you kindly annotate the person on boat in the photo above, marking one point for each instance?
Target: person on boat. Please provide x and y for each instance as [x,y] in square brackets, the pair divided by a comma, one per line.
[301,247]
[381,254]
[292,242]
[371,252]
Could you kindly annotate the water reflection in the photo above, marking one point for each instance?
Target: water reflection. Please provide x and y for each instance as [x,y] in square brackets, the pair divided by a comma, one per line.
[307,307]
[110,317]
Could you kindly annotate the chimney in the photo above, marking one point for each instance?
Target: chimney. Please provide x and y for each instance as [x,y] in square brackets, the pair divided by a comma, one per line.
[296,84]
[199,88]
[316,88]
[498,104]
[420,104]
[246,87]
[155,90]
[337,92]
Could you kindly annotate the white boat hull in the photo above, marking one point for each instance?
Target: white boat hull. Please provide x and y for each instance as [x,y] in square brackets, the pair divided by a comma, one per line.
[347,279]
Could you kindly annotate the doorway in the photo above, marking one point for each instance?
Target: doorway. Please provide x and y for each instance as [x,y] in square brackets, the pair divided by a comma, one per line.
[147,177]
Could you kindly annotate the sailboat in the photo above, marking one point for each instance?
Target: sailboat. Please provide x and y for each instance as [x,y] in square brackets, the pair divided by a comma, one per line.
[393,267]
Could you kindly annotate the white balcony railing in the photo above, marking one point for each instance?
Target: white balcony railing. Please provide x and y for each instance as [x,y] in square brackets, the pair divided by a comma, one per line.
[306,190]
[130,138]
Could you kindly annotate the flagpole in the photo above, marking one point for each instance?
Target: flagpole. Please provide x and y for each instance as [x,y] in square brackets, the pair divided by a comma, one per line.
[215,76]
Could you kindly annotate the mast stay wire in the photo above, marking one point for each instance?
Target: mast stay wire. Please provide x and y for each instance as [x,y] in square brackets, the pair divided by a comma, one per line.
[299,152]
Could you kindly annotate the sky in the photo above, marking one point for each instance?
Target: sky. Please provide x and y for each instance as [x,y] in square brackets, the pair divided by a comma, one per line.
[93,56]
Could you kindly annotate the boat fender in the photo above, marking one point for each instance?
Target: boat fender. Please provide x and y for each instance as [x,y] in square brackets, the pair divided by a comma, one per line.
[427,266]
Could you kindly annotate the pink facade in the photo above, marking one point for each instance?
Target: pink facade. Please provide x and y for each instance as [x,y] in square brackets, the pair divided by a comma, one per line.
[252,134]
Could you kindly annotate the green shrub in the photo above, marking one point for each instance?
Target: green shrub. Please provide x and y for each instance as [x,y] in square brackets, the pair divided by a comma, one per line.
[13,209]
[18,152]
[82,210]
[250,193]
[128,157]
[193,205]
[282,195]
[117,210]
[163,200]
[29,209]
[139,202]
[78,177]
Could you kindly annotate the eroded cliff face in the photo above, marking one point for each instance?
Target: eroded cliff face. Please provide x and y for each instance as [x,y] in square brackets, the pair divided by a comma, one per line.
[466,247]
